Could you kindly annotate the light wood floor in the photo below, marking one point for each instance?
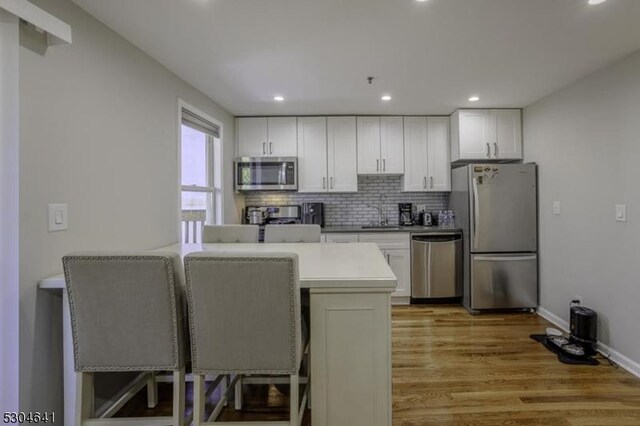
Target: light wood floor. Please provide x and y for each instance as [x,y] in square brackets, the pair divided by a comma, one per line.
[451,368]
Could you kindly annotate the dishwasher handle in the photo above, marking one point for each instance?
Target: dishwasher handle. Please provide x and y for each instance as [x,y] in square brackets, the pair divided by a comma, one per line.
[448,238]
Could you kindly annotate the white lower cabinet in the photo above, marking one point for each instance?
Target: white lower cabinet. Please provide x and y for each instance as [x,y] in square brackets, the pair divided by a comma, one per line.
[395,247]
[400,263]
[340,238]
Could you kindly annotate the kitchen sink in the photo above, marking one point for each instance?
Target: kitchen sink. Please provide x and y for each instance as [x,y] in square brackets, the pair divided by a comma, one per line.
[380,227]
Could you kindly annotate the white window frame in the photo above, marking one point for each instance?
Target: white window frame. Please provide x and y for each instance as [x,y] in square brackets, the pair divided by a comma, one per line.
[215,209]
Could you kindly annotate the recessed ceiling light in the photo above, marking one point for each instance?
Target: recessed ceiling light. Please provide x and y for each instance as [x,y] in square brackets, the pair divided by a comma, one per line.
[386,97]
[421,1]
[594,2]
[278,98]
[474,98]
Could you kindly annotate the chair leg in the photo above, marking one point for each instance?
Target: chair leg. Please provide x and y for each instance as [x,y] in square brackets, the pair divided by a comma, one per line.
[198,399]
[152,391]
[178,397]
[237,400]
[223,387]
[293,400]
[309,377]
[84,397]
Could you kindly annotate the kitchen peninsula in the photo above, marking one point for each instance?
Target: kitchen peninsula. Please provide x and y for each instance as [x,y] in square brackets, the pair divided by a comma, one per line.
[350,287]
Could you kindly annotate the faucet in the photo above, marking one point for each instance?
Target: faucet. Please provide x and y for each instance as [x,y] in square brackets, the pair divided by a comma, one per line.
[382,219]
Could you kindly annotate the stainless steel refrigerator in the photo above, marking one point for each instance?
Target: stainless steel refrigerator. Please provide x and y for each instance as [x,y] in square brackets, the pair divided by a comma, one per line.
[496,206]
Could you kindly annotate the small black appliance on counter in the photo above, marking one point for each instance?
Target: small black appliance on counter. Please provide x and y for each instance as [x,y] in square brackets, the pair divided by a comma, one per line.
[271,215]
[313,214]
[405,213]
[584,328]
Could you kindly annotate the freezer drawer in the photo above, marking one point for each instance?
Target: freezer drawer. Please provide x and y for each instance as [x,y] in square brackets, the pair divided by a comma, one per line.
[435,266]
[504,281]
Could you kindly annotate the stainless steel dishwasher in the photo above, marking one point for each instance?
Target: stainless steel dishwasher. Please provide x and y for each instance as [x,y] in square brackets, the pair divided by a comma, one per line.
[436,263]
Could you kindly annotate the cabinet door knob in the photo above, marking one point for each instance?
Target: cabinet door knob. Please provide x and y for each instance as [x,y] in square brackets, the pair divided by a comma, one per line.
[431,181]
[488,150]
[384,164]
[324,183]
[495,150]
[377,165]
[270,147]
[331,182]
[264,148]
[424,182]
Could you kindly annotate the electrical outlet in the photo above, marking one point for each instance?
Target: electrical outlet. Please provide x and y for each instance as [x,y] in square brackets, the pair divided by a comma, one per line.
[556,207]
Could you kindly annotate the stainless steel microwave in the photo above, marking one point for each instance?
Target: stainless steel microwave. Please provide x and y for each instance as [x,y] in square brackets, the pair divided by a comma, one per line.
[266,174]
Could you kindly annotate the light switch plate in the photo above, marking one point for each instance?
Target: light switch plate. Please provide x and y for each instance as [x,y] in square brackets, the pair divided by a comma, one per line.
[621,212]
[556,207]
[58,217]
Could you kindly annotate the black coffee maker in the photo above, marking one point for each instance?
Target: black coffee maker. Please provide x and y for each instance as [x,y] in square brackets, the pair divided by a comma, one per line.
[313,213]
[405,214]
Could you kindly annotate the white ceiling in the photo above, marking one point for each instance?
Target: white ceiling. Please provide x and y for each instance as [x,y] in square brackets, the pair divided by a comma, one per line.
[429,56]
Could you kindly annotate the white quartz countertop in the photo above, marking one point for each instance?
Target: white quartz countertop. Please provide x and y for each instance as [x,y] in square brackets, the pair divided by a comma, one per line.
[322,265]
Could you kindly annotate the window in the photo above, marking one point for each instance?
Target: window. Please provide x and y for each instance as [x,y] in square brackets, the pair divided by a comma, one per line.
[200,178]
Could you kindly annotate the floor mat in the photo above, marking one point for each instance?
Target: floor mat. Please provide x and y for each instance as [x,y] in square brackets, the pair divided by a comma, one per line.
[563,357]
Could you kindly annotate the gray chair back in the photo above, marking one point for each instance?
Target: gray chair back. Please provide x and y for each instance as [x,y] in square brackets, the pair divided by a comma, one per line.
[292,234]
[244,312]
[214,234]
[128,311]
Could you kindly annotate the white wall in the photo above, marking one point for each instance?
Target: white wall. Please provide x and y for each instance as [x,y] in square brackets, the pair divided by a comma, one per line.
[98,123]
[9,242]
[586,139]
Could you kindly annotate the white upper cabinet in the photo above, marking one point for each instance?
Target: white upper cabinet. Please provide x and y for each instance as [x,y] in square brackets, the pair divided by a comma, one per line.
[473,131]
[427,161]
[508,134]
[312,154]
[391,145]
[342,154]
[252,136]
[415,154]
[327,155]
[438,154]
[486,134]
[380,141]
[267,136]
[368,138]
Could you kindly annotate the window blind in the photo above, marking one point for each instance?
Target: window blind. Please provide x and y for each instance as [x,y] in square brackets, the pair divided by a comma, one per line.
[191,120]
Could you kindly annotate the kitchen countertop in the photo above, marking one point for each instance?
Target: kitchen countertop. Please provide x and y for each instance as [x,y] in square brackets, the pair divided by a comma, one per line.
[357,229]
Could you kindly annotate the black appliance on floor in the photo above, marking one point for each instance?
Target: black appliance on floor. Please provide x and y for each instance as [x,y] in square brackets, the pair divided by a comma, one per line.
[405,213]
[583,325]
[313,214]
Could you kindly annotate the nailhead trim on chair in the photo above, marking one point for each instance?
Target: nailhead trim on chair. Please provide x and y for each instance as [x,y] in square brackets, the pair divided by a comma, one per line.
[292,325]
[174,315]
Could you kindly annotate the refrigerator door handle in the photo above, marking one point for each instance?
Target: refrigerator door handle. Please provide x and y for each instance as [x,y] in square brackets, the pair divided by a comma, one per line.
[476,213]
[504,258]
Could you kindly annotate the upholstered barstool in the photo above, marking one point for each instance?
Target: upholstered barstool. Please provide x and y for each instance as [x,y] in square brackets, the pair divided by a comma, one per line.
[244,319]
[214,234]
[128,314]
[292,234]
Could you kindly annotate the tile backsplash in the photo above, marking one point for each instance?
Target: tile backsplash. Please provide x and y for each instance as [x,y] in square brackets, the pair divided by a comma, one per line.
[356,208]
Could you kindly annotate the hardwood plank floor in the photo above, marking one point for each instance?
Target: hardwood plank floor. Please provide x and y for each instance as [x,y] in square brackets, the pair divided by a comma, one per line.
[451,368]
